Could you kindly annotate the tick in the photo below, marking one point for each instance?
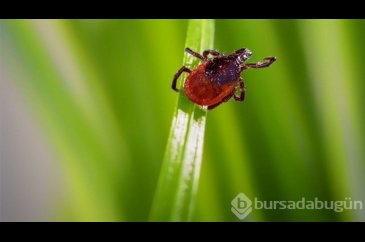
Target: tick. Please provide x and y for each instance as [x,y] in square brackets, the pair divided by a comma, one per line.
[218,78]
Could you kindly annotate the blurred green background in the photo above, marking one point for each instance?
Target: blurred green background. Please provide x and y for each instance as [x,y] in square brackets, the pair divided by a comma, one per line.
[100,93]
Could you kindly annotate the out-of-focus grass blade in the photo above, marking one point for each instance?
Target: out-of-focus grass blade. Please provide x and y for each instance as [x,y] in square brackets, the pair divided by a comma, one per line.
[53,73]
[337,103]
[178,182]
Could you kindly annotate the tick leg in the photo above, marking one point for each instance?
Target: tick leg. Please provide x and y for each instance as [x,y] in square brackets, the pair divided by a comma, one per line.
[261,64]
[211,52]
[242,88]
[195,54]
[177,75]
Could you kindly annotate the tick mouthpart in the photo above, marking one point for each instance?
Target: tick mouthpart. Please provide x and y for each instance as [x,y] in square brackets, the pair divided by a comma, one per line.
[243,55]
[247,54]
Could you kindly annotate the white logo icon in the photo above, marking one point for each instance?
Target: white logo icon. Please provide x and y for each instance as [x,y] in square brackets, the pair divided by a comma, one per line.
[241,206]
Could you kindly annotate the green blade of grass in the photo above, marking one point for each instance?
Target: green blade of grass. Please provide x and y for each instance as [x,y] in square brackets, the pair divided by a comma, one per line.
[179,176]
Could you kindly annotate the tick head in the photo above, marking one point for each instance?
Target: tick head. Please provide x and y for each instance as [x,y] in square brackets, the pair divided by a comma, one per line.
[242,55]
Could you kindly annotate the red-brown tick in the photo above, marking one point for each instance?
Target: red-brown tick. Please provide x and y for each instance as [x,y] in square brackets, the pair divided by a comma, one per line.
[218,79]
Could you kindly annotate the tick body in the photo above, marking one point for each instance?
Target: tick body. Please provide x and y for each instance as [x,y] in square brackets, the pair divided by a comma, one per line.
[218,78]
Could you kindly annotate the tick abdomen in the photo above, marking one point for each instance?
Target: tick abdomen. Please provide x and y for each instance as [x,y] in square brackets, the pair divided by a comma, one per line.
[203,90]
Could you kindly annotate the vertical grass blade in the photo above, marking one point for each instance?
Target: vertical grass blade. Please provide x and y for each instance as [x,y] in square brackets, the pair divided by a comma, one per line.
[54,73]
[179,176]
[334,89]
